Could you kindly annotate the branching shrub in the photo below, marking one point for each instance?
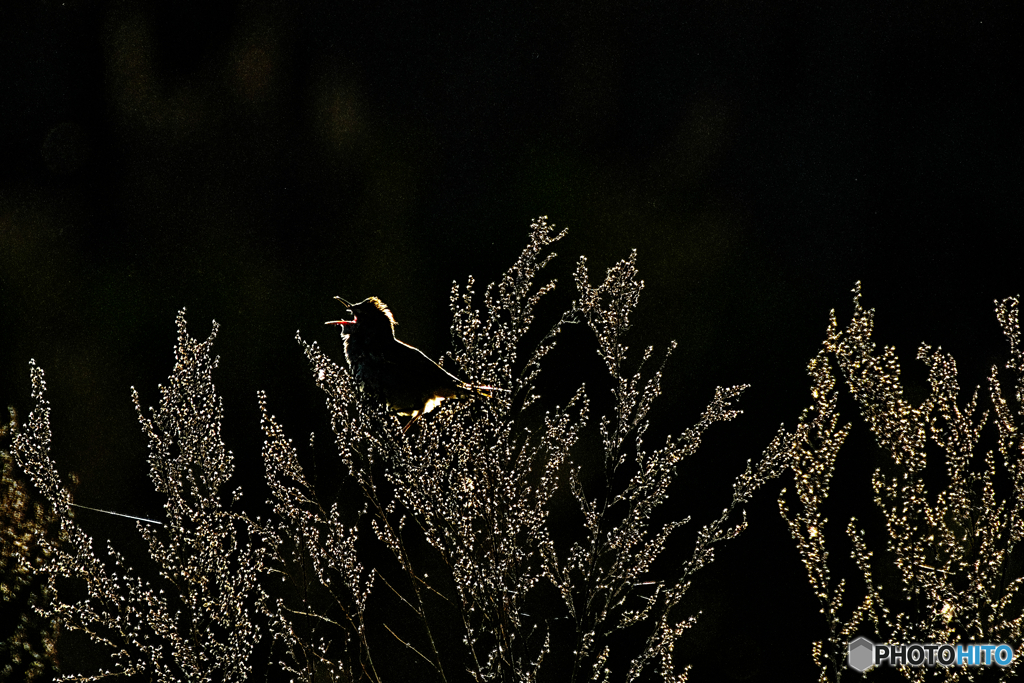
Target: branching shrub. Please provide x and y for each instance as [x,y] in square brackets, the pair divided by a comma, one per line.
[503,561]
[195,622]
[957,577]
[28,645]
[476,484]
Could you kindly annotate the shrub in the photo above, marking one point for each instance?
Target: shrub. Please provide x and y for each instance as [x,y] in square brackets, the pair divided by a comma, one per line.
[955,574]
[471,544]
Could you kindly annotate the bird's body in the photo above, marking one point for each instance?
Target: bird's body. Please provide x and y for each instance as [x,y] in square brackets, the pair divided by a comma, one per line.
[402,375]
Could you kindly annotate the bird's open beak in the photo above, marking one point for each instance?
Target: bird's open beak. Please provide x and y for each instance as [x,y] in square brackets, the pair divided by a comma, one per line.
[343,322]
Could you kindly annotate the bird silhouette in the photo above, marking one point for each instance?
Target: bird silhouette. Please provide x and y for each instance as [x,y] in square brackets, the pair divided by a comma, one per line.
[402,375]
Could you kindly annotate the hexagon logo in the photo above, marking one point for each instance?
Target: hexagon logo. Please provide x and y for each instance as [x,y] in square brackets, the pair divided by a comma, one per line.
[861,654]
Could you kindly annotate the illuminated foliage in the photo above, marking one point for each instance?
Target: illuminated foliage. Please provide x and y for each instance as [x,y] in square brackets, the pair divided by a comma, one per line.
[28,647]
[956,577]
[470,544]
[476,483]
[195,621]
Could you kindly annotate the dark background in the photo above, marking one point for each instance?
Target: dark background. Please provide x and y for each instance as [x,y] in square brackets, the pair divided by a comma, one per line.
[251,160]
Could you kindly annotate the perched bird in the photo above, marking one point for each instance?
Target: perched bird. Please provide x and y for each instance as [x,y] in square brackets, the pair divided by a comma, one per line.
[401,374]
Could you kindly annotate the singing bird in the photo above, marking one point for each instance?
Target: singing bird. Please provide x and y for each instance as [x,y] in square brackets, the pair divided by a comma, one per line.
[397,372]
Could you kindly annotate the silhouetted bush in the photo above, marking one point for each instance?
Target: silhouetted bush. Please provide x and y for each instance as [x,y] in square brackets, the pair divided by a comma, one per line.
[462,505]
[472,545]
[27,639]
[950,559]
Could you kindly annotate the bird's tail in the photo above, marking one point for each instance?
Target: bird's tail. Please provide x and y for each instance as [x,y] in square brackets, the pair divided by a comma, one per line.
[483,389]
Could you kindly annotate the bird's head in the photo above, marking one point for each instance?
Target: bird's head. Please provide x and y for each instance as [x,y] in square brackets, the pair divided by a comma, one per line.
[366,318]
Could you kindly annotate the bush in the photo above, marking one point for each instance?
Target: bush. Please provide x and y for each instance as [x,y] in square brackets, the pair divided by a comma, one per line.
[461,522]
[475,546]
[950,568]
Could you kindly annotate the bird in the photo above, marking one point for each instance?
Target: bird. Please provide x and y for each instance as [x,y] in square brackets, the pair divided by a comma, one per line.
[399,373]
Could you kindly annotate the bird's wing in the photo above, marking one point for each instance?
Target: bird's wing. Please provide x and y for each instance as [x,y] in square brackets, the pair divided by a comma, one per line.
[430,366]
[437,374]
[425,372]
